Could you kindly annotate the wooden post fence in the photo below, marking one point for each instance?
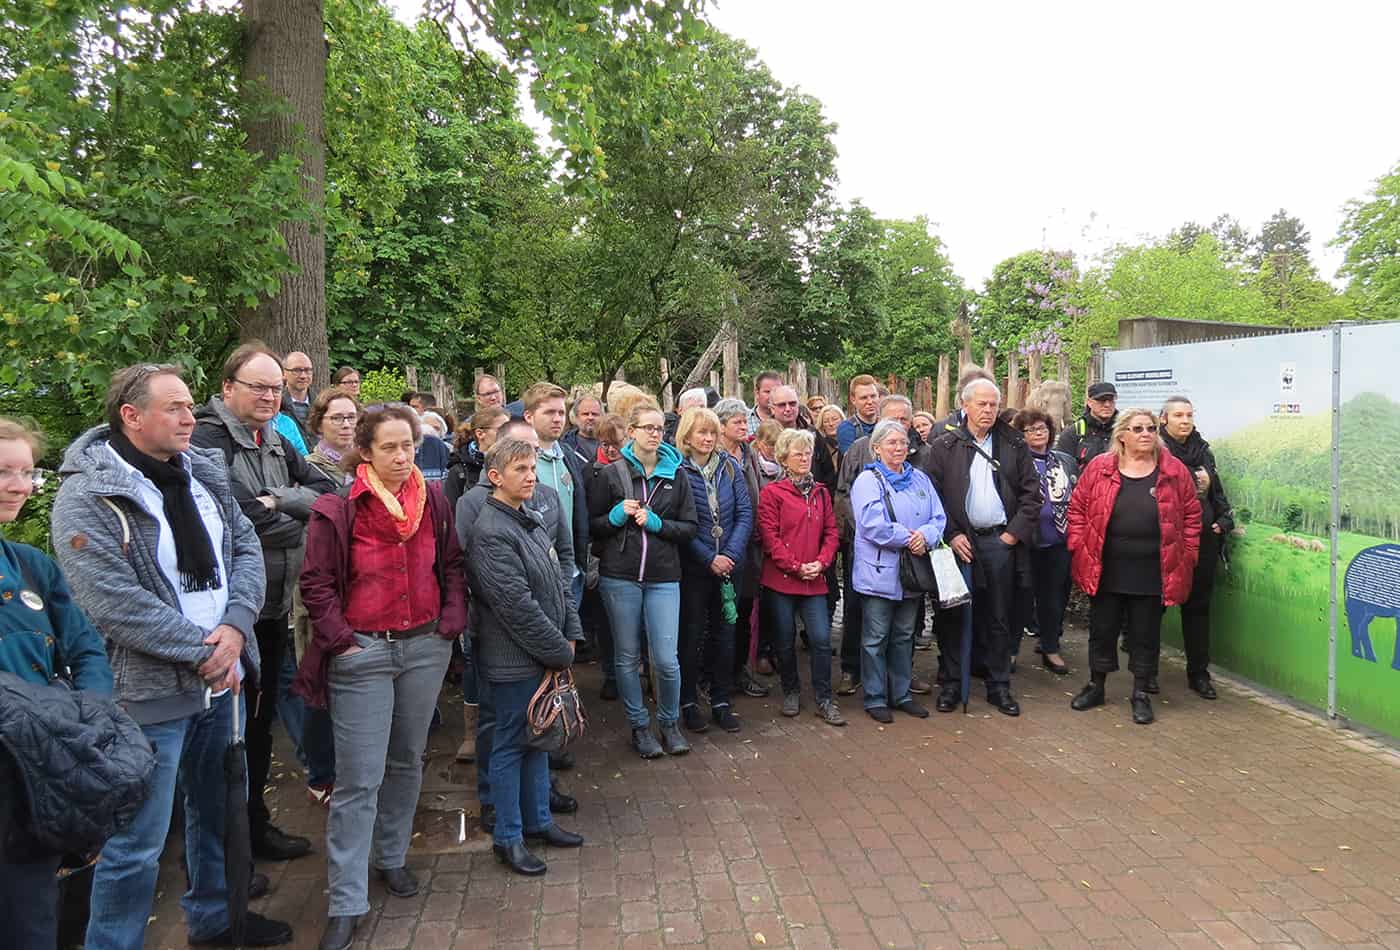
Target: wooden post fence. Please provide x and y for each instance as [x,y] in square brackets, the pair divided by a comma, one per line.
[1014,398]
[941,404]
[923,394]
[668,398]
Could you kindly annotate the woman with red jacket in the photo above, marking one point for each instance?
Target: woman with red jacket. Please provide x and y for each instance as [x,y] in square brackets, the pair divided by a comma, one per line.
[797,524]
[1134,533]
[384,585]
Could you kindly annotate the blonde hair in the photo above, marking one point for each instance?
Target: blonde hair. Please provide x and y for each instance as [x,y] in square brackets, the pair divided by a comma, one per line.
[792,439]
[768,432]
[12,430]
[827,410]
[1124,422]
[693,420]
[623,398]
[634,418]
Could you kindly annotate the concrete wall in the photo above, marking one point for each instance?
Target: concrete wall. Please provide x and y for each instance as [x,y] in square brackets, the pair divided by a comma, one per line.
[1166,331]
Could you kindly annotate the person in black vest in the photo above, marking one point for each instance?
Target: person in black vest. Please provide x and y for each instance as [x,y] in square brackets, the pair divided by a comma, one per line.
[991,494]
[1091,435]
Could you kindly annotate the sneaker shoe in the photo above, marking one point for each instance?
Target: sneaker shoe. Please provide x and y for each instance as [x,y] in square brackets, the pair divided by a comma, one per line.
[792,704]
[752,687]
[848,686]
[829,713]
[673,739]
[724,717]
[645,743]
[694,719]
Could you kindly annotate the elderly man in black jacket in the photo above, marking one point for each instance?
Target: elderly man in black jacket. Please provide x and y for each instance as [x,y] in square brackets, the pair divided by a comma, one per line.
[991,493]
[275,487]
[527,624]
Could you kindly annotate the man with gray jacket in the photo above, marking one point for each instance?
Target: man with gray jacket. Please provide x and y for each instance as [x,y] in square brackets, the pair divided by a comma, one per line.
[275,487]
[161,558]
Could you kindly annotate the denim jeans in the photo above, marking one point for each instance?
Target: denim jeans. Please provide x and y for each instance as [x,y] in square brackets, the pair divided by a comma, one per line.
[660,603]
[1050,575]
[190,753]
[485,736]
[29,904]
[382,699]
[706,641]
[309,728]
[784,609]
[887,650]
[519,774]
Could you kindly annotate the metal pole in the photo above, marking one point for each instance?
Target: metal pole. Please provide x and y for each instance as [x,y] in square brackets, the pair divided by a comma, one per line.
[1335,519]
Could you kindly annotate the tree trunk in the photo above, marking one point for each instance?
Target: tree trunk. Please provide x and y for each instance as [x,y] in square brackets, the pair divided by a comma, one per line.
[285,67]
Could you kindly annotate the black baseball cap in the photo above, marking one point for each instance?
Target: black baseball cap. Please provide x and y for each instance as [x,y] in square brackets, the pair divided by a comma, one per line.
[1103,391]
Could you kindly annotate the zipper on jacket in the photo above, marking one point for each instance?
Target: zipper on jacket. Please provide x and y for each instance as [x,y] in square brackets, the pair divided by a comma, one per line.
[642,564]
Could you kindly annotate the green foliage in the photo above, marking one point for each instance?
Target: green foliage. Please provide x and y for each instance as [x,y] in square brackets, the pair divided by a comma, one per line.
[1371,235]
[1292,517]
[1030,298]
[382,385]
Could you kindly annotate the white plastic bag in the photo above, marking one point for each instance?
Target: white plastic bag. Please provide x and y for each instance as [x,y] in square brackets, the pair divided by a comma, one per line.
[952,589]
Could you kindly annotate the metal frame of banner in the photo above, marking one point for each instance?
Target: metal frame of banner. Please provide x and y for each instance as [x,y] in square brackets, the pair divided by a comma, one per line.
[1336,518]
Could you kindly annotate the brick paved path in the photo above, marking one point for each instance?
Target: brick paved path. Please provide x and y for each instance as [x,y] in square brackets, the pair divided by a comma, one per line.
[1238,823]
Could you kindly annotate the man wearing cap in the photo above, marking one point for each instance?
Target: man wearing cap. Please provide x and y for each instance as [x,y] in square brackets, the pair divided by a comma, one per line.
[1092,433]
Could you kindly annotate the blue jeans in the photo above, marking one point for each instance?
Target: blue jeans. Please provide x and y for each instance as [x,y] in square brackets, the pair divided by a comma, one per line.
[783,609]
[309,728]
[469,687]
[485,737]
[627,603]
[189,751]
[887,649]
[519,774]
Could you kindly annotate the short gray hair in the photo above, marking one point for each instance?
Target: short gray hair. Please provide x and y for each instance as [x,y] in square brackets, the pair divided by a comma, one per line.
[792,439]
[895,399]
[1176,401]
[728,408]
[694,396]
[507,450]
[973,386]
[884,428]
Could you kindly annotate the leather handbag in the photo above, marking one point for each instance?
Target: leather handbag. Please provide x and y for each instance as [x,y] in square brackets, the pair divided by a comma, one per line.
[915,570]
[556,715]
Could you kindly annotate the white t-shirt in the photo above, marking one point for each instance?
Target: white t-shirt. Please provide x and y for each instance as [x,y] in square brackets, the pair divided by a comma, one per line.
[203,608]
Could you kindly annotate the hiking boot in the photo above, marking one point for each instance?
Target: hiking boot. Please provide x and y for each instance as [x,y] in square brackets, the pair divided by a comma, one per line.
[724,717]
[792,704]
[829,713]
[673,739]
[848,686]
[645,743]
[694,720]
[1088,697]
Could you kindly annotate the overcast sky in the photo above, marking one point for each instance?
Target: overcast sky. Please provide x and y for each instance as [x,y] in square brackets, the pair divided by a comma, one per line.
[1021,125]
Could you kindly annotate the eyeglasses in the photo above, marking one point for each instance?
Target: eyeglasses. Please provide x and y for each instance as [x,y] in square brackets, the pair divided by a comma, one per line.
[1038,428]
[489,392]
[1140,429]
[262,389]
[299,370]
[19,477]
[341,420]
[784,405]
[651,430]
[895,443]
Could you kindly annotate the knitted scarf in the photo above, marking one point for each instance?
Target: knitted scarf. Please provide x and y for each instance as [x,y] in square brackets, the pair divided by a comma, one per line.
[406,508]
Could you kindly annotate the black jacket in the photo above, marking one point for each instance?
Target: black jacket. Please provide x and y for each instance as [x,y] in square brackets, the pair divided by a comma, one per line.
[1195,453]
[1086,438]
[948,460]
[73,768]
[526,615]
[619,549]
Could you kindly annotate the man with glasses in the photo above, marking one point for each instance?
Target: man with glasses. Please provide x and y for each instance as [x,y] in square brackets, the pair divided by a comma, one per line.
[1092,433]
[489,392]
[275,486]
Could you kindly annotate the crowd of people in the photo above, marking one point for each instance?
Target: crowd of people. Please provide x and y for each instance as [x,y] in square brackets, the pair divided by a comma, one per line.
[280,552]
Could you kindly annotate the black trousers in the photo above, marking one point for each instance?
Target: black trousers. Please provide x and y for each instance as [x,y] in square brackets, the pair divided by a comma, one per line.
[594,618]
[705,641]
[1139,618]
[852,620]
[29,904]
[262,712]
[1195,613]
[993,593]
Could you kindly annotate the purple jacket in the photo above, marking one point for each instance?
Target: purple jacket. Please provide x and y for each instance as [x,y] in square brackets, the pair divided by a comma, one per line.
[878,540]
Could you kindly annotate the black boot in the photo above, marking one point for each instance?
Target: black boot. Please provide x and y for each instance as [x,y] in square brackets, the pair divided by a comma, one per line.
[1142,708]
[339,933]
[1090,696]
[520,859]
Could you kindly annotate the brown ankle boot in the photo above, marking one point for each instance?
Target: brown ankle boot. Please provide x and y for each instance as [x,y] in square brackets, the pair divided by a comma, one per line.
[467,751]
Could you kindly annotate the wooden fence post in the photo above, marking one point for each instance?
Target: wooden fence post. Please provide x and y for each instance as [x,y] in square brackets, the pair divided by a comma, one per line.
[941,406]
[1095,368]
[668,398]
[1013,380]
[825,384]
[730,358]
[1034,371]
[1062,367]
[923,394]
[714,380]
[989,361]
[797,379]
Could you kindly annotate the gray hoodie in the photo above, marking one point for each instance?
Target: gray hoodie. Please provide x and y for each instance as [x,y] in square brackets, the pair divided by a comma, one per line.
[106,543]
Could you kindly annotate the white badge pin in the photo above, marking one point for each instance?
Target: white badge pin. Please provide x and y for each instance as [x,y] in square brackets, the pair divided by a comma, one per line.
[31,600]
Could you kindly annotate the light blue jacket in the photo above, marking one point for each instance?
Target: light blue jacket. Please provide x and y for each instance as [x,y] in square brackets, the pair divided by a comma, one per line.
[879,540]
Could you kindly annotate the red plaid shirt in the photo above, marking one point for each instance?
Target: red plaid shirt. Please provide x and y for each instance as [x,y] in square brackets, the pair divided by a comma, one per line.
[392,583]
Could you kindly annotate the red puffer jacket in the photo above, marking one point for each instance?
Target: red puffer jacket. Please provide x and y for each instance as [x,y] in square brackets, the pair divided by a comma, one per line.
[795,530]
[1178,510]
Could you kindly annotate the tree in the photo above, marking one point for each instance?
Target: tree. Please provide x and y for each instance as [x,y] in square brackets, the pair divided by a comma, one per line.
[1026,296]
[1281,234]
[1370,233]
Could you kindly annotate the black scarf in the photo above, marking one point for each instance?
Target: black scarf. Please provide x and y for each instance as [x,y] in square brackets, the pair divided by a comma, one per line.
[1192,452]
[194,553]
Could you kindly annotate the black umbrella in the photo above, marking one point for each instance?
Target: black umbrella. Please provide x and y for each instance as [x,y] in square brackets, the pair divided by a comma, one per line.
[965,646]
[238,848]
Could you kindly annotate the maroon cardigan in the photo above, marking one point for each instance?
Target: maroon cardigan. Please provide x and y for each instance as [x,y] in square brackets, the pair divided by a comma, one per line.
[326,571]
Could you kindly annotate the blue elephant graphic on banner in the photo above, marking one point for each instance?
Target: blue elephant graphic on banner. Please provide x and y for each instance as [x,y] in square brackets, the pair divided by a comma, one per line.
[1372,591]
